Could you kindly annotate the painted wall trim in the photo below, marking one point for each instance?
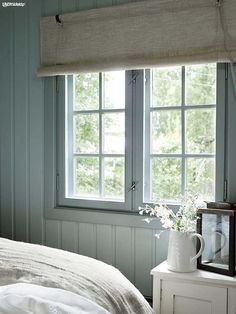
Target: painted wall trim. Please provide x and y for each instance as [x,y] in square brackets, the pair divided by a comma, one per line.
[129,219]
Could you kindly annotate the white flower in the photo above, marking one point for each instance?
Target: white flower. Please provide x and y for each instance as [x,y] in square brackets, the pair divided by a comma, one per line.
[184,220]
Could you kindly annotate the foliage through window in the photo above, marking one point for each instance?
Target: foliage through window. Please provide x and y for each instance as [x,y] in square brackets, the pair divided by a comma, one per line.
[176,110]
[180,152]
[98,130]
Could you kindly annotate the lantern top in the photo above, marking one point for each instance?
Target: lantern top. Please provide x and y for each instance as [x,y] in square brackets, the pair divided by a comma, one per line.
[218,208]
[217,211]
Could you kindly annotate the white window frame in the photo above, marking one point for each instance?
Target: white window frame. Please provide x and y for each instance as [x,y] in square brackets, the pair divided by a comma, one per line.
[136,92]
[65,100]
[183,108]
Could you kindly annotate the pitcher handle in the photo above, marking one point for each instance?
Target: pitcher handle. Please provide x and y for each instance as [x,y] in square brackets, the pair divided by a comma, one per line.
[202,245]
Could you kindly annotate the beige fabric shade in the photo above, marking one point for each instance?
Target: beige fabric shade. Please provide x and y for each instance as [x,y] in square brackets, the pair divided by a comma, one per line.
[139,35]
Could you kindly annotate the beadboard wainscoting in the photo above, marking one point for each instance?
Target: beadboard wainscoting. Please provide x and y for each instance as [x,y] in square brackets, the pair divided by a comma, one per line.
[133,251]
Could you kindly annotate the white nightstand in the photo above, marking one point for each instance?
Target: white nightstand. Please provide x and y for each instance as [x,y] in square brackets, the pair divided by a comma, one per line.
[199,292]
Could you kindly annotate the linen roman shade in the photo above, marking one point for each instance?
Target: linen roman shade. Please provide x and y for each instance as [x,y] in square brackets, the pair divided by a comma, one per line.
[139,35]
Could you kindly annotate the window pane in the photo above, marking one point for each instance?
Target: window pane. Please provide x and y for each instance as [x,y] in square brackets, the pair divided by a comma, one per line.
[200,130]
[86,91]
[114,133]
[86,133]
[201,84]
[166,131]
[201,177]
[165,178]
[166,86]
[114,89]
[86,175]
[114,178]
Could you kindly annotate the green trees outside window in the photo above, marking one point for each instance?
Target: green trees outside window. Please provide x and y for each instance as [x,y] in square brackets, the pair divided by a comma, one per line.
[179,134]
[183,131]
[99,135]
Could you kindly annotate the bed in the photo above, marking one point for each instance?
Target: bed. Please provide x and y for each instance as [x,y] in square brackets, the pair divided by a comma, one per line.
[81,284]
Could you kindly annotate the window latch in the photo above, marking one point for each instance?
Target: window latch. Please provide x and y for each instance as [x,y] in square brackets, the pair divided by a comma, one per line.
[133,186]
[135,74]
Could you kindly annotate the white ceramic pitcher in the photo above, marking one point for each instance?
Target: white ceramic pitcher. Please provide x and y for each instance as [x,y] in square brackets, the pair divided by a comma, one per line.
[182,256]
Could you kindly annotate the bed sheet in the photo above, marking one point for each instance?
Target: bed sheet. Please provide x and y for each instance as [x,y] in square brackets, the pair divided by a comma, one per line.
[97,281]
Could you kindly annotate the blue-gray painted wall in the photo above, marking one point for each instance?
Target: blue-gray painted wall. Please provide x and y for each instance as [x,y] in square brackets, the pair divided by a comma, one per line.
[134,250]
[22,97]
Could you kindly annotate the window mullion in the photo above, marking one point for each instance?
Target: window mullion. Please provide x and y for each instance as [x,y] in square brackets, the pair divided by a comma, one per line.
[129,140]
[138,95]
[183,135]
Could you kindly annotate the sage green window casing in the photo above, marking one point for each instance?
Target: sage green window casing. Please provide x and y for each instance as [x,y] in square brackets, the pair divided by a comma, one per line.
[136,117]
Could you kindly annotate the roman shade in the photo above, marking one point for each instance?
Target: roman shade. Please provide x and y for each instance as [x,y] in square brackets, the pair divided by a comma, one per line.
[139,35]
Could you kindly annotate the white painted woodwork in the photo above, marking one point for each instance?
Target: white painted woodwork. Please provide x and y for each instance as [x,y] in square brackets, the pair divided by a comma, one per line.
[196,292]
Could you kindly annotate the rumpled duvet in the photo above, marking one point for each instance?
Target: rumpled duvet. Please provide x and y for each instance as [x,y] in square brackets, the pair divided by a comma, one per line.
[24,298]
[90,278]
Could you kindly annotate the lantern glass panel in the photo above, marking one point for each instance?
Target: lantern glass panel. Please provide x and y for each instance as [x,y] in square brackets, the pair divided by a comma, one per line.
[215,230]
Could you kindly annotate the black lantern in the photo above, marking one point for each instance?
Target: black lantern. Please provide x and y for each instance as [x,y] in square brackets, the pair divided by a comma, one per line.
[217,226]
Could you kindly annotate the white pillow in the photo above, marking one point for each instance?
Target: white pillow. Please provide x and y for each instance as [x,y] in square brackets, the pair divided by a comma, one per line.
[23,298]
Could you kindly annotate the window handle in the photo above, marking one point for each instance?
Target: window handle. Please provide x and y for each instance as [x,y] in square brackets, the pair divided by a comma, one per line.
[133,186]
[135,74]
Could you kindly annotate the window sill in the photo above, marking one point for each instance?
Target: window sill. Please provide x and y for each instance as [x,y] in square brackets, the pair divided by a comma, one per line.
[107,217]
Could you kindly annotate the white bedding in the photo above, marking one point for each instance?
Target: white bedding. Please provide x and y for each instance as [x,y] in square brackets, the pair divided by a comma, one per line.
[94,280]
[22,298]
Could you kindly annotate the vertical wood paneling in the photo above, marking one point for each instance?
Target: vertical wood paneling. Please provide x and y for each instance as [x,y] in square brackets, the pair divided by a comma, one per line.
[53,233]
[161,247]
[26,102]
[86,4]
[49,138]
[36,126]
[87,240]
[6,123]
[21,160]
[104,3]
[69,236]
[144,249]
[121,1]
[51,7]
[124,251]
[68,6]
[105,244]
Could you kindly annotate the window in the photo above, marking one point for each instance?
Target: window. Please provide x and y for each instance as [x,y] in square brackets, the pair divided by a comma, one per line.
[128,137]
[180,132]
[98,129]
[96,159]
